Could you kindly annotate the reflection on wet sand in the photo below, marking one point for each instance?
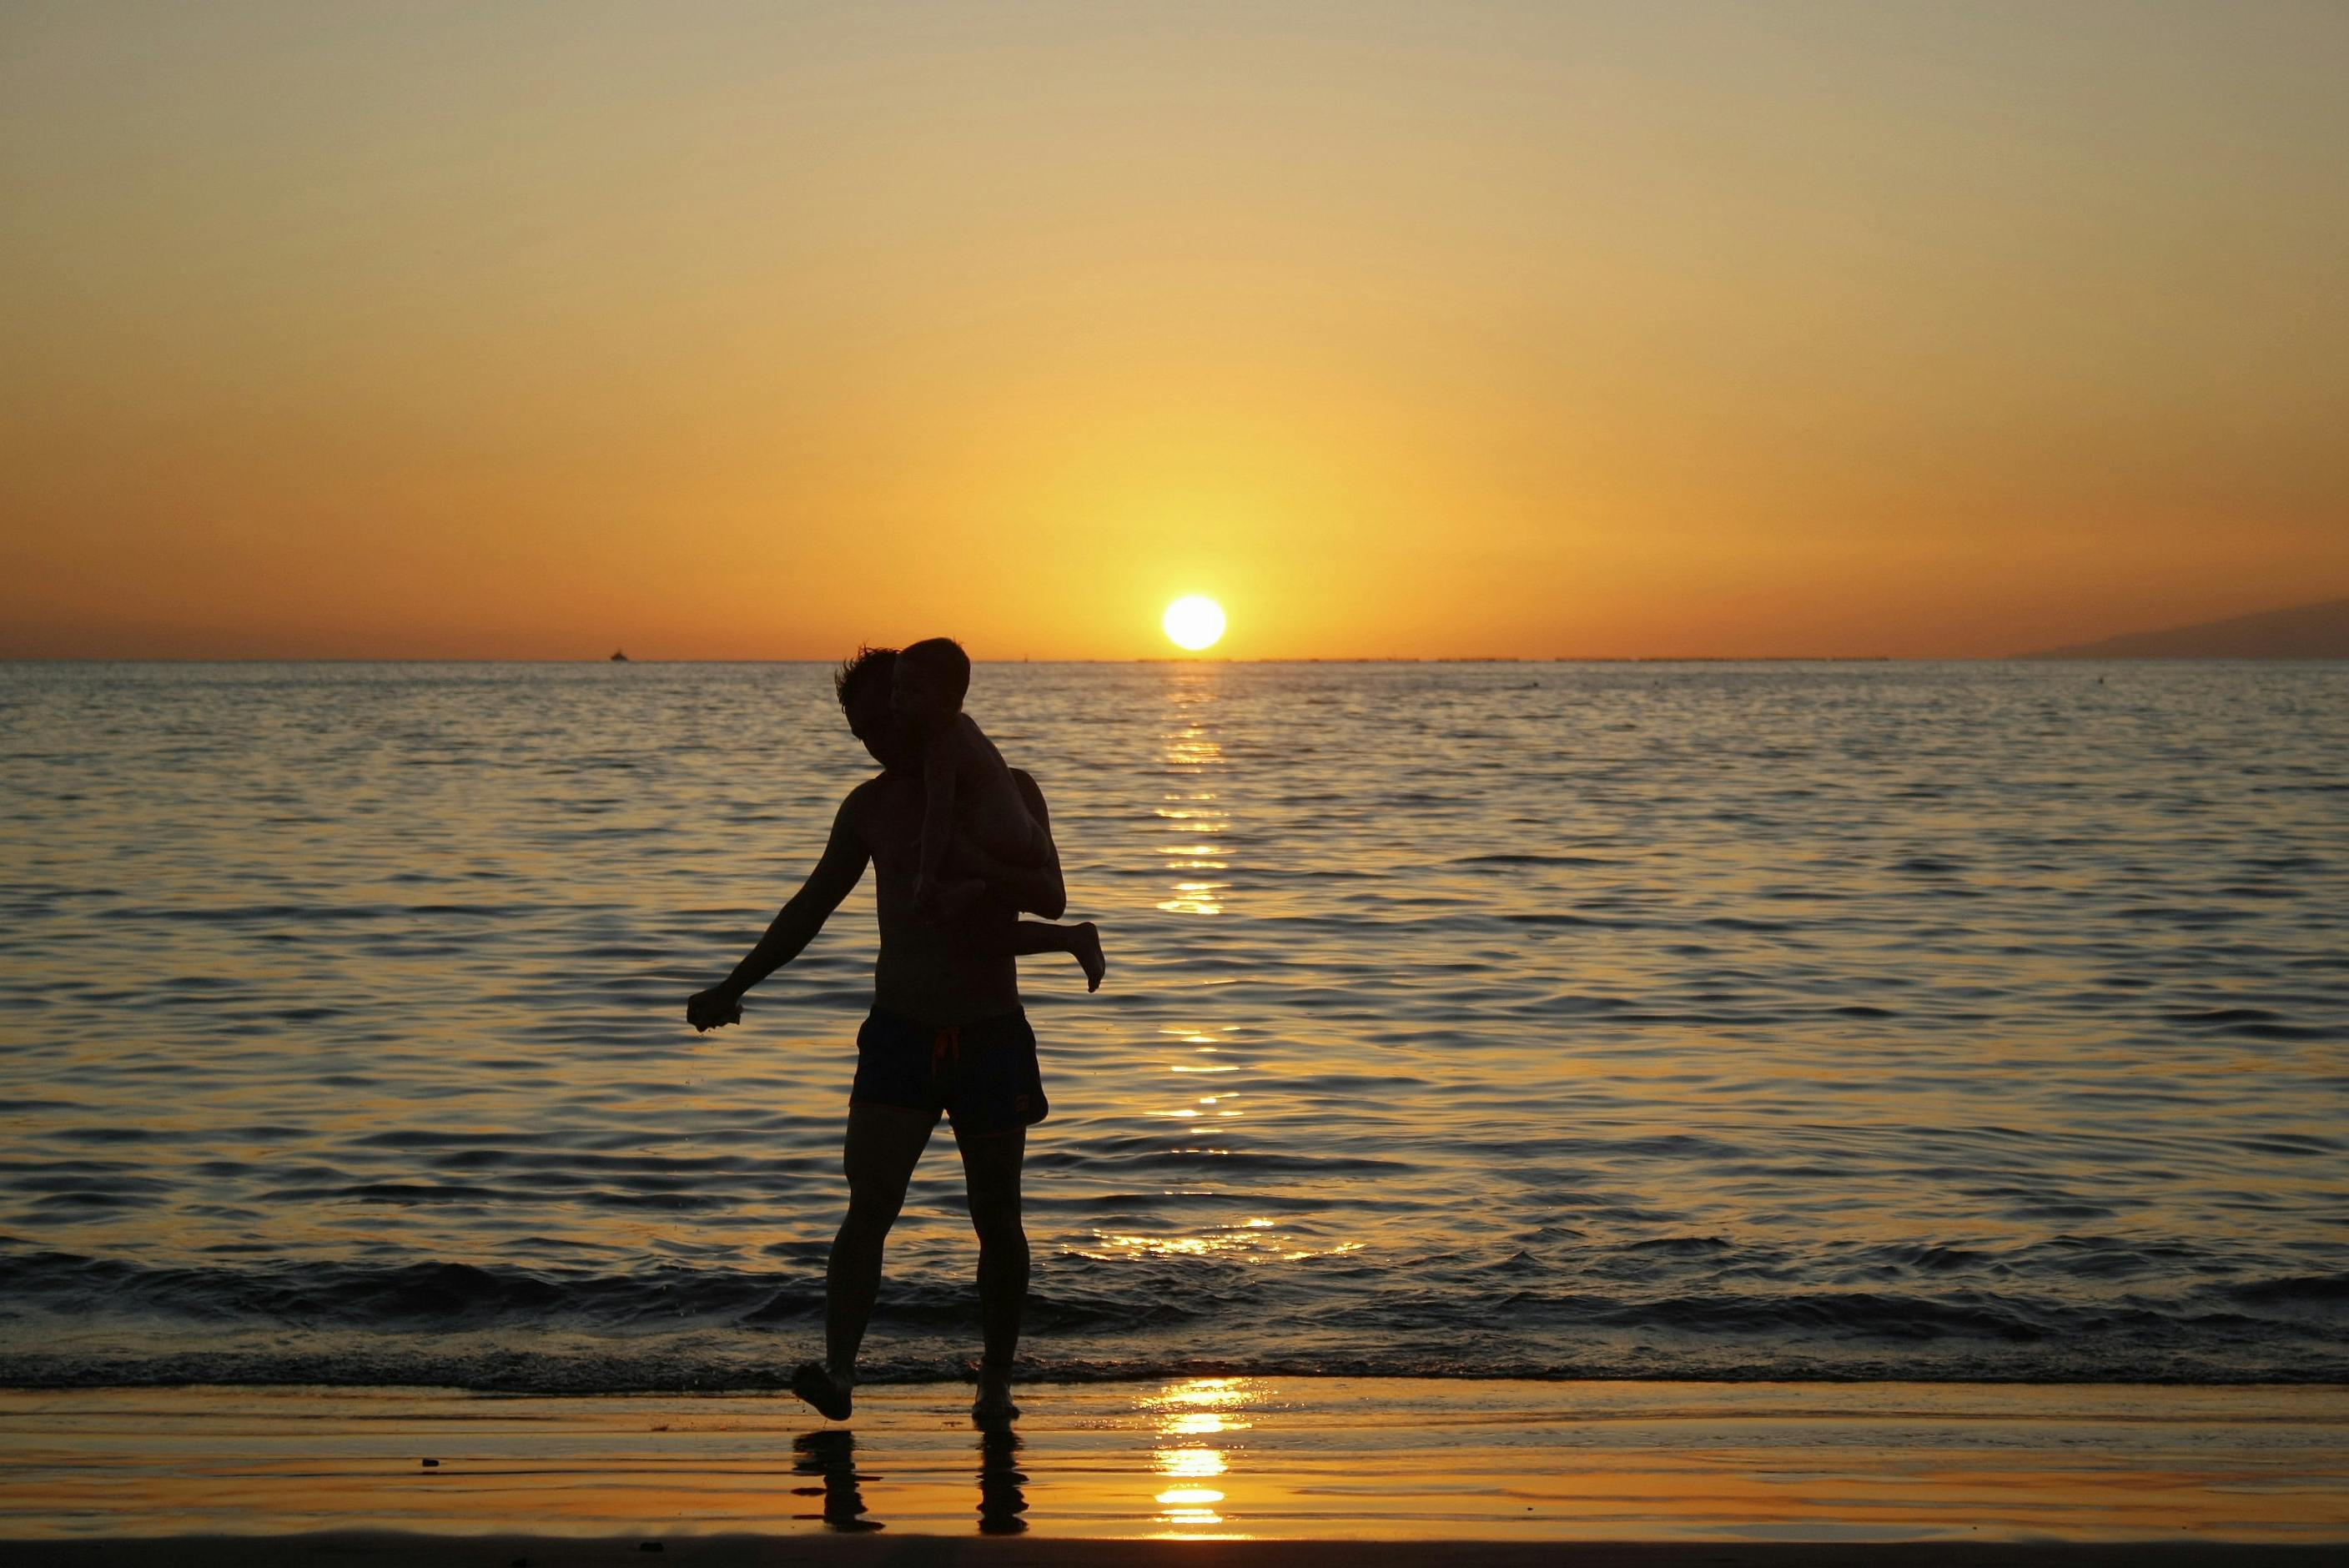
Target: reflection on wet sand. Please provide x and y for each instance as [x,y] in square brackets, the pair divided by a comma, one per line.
[1302,1458]
[1002,1495]
[831,1454]
[1192,1459]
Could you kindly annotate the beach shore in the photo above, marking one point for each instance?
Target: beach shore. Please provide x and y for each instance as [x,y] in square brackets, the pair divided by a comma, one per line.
[388,1551]
[1391,1470]
[1385,1470]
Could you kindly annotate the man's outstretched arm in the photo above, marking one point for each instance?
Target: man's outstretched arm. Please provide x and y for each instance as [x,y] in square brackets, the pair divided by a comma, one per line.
[793,927]
[1033,890]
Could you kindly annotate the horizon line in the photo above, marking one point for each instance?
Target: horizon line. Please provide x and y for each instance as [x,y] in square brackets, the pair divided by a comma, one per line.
[1136,659]
[1180,659]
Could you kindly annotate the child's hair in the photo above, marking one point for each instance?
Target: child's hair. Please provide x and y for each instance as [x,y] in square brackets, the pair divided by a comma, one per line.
[864,664]
[944,662]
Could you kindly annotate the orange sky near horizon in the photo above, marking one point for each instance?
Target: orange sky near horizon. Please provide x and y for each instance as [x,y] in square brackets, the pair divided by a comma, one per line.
[724,331]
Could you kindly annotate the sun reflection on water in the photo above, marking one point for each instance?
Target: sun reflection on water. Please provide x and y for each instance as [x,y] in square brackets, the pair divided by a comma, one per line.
[1252,1241]
[1208,1113]
[1194,898]
[1193,814]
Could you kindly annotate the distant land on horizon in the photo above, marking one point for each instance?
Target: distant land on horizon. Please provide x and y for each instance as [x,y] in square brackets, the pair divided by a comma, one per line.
[2302,632]
[2317,631]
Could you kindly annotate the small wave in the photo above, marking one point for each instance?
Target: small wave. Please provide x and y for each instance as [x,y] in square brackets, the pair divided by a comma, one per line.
[2301,1290]
[106,1320]
[508,1368]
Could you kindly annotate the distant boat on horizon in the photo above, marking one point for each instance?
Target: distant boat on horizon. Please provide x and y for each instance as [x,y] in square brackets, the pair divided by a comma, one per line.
[617,658]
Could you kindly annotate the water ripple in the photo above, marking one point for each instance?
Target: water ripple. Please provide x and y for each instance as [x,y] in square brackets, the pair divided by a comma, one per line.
[1849,1021]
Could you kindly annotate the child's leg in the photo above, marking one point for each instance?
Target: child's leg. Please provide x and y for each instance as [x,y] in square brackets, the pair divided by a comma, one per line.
[999,822]
[1080,942]
[1023,938]
[962,887]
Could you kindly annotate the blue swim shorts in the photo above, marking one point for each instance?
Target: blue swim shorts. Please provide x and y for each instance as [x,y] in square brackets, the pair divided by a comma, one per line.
[982,1074]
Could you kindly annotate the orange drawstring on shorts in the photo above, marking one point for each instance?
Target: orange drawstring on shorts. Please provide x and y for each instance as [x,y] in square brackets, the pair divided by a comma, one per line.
[947,1044]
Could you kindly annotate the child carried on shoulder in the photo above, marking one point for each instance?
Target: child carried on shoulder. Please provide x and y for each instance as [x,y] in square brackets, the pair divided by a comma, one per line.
[970,797]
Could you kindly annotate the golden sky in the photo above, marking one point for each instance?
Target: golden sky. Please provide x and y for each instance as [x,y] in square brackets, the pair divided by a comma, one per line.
[755,331]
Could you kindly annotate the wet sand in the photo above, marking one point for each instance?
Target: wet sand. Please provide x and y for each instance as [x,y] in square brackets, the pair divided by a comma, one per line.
[381,1551]
[1387,1471]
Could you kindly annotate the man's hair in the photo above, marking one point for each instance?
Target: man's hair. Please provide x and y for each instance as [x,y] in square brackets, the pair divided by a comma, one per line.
[860,669]
[942,660]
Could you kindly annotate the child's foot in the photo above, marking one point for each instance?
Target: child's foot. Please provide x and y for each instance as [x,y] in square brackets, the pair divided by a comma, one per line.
[993,1408]
[1088,950]
[820,1386]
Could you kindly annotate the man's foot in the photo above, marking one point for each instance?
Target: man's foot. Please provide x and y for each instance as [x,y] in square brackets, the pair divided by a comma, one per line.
[815,1383]
[993,1408]
[1088,950]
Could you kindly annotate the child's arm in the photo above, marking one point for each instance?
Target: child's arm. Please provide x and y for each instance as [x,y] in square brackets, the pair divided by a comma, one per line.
[939,759]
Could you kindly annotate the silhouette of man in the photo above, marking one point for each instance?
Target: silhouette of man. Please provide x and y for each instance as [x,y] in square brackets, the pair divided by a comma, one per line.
[946,1034]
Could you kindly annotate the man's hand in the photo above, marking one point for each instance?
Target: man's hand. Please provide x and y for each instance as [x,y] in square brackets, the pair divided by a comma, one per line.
[709,1009]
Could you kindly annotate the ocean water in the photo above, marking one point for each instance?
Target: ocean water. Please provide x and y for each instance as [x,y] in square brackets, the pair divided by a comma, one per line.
[1861,1021]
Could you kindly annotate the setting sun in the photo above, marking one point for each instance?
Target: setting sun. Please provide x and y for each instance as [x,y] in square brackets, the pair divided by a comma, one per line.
[1193,622]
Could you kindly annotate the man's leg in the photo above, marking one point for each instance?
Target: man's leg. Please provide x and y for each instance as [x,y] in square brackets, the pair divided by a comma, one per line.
[990,1170]
[884,1143]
